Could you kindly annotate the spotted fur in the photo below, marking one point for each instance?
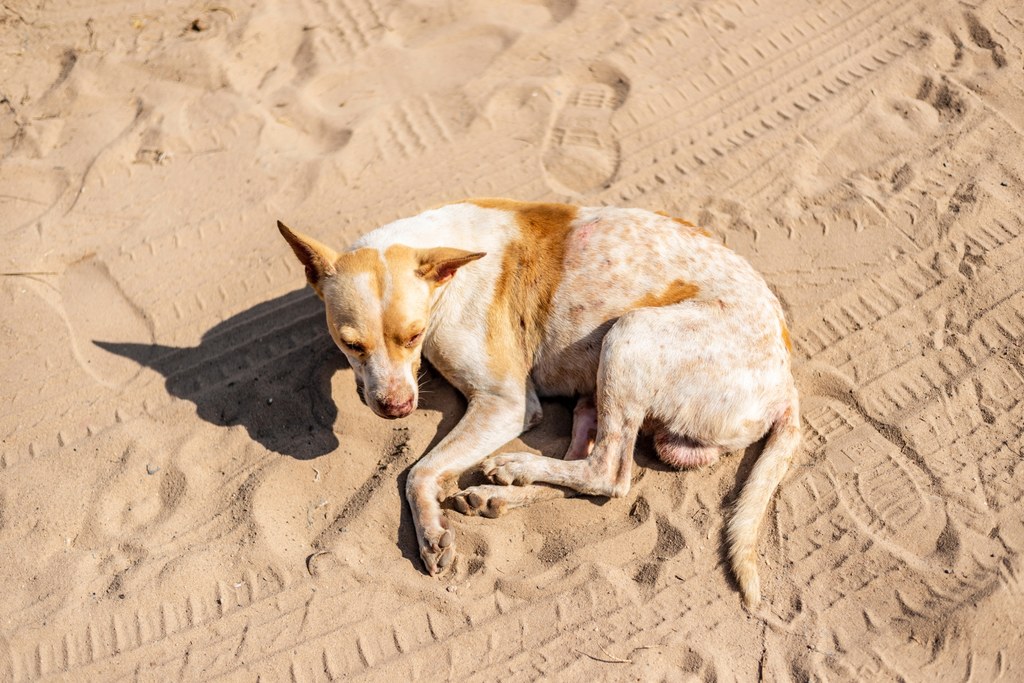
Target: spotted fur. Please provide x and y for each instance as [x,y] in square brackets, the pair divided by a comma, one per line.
[650,321]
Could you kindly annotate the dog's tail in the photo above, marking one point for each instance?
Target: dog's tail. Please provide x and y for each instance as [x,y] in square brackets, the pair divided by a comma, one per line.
[770,468]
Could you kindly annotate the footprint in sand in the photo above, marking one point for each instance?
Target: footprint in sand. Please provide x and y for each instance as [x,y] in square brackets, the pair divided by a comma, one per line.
[95,308]
[581,152]
[883,492]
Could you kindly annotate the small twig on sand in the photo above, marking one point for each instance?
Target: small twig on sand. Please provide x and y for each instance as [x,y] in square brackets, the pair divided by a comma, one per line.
[220,8]
[29,273]
[609,660]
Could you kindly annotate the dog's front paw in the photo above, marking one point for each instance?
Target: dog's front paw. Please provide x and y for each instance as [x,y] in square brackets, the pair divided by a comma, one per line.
[437,548]
[510,468]
[480,500]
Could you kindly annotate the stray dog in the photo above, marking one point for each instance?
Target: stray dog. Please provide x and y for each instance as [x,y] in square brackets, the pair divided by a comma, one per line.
[653,324]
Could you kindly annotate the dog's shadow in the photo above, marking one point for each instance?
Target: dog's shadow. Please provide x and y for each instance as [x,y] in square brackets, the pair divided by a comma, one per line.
[267,369]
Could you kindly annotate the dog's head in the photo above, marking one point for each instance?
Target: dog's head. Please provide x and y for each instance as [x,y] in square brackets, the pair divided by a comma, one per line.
[378,305]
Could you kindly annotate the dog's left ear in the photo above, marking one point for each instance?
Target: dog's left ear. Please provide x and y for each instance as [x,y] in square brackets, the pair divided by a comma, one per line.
[438,265]
[314,256]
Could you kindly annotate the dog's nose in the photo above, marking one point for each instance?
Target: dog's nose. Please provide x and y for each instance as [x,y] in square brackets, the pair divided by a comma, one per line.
[393,409]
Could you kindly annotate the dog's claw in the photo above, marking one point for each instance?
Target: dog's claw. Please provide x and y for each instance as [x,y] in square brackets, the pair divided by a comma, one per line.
[445,559]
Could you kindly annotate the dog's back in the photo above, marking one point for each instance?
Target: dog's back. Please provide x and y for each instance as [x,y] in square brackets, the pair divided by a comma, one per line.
[619,260]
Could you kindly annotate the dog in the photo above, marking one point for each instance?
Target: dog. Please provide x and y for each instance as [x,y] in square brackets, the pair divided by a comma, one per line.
[651,322]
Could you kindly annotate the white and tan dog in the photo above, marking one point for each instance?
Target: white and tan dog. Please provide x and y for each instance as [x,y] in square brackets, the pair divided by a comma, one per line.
[645,318]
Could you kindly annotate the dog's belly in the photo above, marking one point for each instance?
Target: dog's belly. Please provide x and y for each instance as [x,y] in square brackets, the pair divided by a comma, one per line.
[618,260]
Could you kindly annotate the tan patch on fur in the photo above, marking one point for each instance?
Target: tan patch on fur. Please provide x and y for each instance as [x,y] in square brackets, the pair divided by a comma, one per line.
[531,271]
[686,223]
[680,221]
[402,262]
[678,290]
[406,267]
[785,337]
[362,261]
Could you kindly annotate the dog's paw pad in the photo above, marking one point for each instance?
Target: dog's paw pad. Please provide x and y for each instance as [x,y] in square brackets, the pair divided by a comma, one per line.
[437,551]
[437,561]
[472,502]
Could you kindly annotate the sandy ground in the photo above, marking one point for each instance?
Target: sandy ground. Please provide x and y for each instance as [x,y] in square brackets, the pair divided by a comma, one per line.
[190,487]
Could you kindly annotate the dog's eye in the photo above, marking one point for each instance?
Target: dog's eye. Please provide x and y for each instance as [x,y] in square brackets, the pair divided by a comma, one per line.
[355,347]
[414,340]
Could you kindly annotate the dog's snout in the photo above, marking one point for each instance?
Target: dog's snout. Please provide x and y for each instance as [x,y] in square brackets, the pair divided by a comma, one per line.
[394,408]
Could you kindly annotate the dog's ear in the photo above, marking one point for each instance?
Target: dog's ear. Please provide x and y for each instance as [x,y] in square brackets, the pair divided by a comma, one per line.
[315,257]
[438,265]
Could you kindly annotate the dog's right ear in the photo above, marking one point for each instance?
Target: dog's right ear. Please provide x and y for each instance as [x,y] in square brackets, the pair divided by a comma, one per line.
[317,258]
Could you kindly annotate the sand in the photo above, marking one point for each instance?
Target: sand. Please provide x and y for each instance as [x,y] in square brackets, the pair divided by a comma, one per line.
[191,489]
